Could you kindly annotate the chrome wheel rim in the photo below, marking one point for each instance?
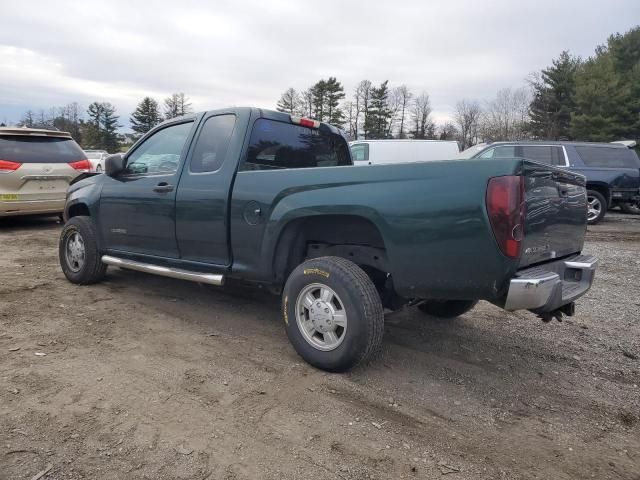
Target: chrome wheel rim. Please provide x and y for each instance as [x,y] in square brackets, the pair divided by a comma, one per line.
[75,253]
[321,317]
[594,207]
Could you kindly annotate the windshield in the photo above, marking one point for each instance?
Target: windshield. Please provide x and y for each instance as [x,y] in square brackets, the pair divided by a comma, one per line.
[472,151]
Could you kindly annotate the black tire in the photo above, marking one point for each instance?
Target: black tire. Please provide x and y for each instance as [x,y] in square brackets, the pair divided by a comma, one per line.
[598,199]
[447,308]
[90,269]
[355,294]
[630,208]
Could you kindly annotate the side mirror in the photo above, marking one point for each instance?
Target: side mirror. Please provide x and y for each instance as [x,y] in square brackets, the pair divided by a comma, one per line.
[114,164]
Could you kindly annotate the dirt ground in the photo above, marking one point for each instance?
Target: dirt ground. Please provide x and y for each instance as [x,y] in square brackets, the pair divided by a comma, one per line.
[146,377]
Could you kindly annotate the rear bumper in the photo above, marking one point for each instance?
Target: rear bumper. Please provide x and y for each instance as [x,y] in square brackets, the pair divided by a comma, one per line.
[550,286]
[31,207]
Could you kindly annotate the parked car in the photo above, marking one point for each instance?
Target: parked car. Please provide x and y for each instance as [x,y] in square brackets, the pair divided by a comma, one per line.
[374,152]
[612,169]
[272,199]
[97,157]
[36,167]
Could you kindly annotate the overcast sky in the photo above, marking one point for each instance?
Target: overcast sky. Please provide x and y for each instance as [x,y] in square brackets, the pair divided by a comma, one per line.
[248,52]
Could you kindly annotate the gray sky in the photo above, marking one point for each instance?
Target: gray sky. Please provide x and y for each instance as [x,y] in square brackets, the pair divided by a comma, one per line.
[248,52]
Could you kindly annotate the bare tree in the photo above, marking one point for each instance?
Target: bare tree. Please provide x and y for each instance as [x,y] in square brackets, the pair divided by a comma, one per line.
[447,131]
[176,105]
[404,96]
[507,115]
[421,113]
[362,97]
[467,118]
[306,107]
[350,110]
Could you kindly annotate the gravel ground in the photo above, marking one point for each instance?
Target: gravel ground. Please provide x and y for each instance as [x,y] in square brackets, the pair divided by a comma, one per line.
[146,377]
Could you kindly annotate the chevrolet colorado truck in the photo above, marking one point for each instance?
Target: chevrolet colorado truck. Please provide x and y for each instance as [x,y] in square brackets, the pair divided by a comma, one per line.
[265,197]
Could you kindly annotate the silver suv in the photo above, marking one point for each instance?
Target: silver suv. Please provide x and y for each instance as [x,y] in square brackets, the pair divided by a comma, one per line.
[36,167]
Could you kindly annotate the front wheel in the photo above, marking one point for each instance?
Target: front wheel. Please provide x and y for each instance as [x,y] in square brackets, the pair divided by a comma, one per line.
[78,252]
[447,308]
[332,313]
[596,207]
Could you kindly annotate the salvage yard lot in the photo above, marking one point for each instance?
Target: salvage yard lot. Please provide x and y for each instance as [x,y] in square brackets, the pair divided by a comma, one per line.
[147,377]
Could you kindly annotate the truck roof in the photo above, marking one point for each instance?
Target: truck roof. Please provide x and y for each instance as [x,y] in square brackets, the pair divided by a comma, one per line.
[260,113]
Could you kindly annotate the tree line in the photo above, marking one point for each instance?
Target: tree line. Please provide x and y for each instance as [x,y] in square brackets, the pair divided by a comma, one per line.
[97,127]
[597,99]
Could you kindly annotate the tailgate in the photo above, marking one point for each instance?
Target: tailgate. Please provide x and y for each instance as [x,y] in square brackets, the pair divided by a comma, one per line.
[556,213]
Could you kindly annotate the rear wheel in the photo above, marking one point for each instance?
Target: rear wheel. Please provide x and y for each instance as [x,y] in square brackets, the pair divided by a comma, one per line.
[447,308]
[596,207]
[78,252]
[333,314]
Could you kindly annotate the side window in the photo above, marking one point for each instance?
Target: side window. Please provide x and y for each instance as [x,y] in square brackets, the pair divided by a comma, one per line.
[608,157]
[360,152]
[213,142]
[160,153]
[278,145]
[507,151]
[549,154]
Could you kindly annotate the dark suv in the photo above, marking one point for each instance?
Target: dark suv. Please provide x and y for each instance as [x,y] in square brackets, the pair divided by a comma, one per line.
[612,169]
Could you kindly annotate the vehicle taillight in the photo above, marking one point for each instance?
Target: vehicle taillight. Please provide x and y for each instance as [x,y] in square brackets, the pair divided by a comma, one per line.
[506,208]
[305,122]
[7,166]
[81,165]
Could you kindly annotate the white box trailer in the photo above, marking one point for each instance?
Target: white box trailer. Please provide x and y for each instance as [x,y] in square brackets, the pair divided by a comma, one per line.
[375,152]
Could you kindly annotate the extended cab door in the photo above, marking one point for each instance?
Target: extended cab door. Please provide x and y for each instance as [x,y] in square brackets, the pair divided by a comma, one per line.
[202,200]
[137,207]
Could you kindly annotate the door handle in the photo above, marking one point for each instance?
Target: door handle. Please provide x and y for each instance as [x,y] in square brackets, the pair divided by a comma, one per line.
[163,187]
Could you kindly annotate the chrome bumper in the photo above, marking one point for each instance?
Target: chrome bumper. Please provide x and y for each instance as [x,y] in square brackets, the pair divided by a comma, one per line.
[550,286]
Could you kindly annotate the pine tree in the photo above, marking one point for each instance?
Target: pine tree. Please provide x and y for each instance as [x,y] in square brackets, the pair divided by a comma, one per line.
[100,131]
[379,114]
[334,94]
[146,116]
[318,100]
[608,91]
[553,100]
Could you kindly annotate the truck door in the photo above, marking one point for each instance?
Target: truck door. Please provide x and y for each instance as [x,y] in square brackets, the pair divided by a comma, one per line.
[203,193]
[137,208]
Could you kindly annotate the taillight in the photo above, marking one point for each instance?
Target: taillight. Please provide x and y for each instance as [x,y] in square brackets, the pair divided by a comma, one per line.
[81,165]
[305,122]
[7,166]
[506,209]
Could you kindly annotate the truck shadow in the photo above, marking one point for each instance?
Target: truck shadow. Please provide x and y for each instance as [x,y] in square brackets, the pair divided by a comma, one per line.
[29,223]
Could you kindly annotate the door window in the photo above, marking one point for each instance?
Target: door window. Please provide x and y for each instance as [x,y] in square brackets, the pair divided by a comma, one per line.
[506,151]
[212,145]
[360,152]
[160,153]
[549,154]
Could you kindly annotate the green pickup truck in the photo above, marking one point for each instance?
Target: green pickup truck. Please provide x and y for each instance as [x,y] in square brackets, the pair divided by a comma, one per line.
[268,198]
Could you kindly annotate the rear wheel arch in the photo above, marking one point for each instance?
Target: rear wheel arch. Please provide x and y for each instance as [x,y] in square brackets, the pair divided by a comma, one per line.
[602,189]
[352,237]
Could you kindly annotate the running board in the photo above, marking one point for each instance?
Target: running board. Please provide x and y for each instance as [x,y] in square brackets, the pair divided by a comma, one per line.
[210,278]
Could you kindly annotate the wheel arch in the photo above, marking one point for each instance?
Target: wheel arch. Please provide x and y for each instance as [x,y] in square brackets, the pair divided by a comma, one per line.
[352,237]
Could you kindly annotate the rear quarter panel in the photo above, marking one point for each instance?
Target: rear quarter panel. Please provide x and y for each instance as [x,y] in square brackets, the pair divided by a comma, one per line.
[432,218]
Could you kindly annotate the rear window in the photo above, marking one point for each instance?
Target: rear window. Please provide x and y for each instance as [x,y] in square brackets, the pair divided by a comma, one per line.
[28,149]
[608,157]
[278,145]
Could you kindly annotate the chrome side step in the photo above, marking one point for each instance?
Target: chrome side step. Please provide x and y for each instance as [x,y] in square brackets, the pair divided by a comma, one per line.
[210,278]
